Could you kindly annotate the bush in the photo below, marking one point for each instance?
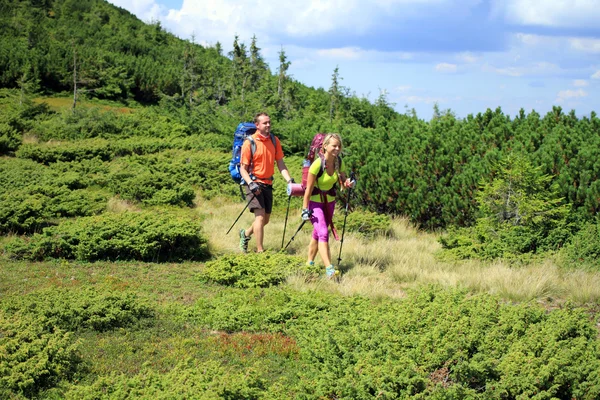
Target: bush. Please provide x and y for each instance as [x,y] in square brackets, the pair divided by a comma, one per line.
[447,344]
[10,139]
[584,248]
[253,270]
[435,343]
[272,310]
[521,215]
[33,355]
[146,236]
[33,196]
[71,310]
[189,379]
[32,208]
[366,223]
[50,152]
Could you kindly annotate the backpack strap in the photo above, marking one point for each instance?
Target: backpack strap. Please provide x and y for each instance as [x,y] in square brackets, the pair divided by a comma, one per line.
[253,150]
[320,173]
[333,190]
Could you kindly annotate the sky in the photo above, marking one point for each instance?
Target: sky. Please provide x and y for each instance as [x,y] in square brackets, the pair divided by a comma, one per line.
[463,55]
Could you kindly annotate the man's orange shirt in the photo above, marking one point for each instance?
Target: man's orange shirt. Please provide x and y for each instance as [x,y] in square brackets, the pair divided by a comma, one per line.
[263,167]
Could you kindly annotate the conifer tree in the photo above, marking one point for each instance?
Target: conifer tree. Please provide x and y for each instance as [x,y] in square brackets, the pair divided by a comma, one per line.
[334,94]
[284,64]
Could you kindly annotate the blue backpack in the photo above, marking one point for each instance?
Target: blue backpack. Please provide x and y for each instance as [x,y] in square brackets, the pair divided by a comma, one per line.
[244,131]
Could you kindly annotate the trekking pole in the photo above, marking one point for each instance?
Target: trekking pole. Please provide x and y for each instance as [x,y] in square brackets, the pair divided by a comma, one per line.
[300,227]
[236,220]
[352,179]
[286,218]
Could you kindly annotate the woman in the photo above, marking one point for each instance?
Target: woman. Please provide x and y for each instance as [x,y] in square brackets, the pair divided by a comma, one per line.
[319,198]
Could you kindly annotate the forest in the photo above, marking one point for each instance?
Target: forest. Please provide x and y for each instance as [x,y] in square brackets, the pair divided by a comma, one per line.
[114,132]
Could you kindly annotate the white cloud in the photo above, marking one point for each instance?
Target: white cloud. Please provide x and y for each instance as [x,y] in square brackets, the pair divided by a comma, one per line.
[446,68]
[596,75]
[580,83]
[586,45]
[146,10]
[467,58]
[345,53]
[570,94]
[220,20]
[550,13]
[531,69]
[423,99]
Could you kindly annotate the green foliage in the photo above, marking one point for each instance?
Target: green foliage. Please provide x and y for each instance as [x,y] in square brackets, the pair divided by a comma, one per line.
[168,177]
[519,214]
[478,349]
[10,139]
[189,379]
[253,270]
[366,223]
[33,355]
[70,309]
[584,248]
[94,122]
[37,345]
[258,310]
[146,236]
[34,196]
[431,170]
[433,344]
[32,208]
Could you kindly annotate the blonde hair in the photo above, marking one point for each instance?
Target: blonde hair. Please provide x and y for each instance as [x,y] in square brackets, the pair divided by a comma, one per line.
[326,141]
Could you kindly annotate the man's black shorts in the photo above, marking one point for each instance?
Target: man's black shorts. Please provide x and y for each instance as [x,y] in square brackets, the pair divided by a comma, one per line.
[264,200]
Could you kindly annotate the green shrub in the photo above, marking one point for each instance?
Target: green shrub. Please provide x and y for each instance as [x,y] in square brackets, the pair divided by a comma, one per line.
[188,380]
[366,223]
[434,343]
[71,309]
[10,139]
[141,178]
[584,247]
[275,309]
[30,209]
[50,152]
[79,123]
[153,188]
[520,216]
[146,236]
[450,344]
[33,356]
[33,196]
[253,270]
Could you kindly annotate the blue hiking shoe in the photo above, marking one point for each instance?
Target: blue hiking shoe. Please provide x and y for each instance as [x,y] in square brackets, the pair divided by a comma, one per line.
[244,241]
[331,272]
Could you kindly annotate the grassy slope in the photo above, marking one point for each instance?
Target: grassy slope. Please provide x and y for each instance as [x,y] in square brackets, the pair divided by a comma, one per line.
[374,268]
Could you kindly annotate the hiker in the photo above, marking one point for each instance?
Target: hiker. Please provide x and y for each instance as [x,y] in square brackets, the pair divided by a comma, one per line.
[258,170]
[319,199]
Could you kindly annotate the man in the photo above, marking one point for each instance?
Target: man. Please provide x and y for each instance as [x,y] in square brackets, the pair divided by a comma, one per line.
[258,177]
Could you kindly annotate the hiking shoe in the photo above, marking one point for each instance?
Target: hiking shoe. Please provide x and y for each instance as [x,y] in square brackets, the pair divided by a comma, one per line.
[331,271]
[244,241]
[310,263]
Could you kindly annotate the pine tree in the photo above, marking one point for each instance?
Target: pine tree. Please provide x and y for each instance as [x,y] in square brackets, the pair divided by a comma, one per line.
[284,64]
[334,94]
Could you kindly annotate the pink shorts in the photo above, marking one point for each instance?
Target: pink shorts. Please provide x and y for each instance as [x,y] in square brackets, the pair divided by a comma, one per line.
[320,223]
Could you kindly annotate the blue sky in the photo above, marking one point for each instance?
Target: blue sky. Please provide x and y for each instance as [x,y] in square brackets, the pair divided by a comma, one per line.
[464,55]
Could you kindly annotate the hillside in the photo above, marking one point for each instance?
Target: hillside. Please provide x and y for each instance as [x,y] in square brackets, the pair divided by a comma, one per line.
[470,262]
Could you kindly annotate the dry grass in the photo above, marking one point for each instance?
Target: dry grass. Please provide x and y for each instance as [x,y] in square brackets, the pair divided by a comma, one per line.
[118,205]
[62,103]
[30,138]
[386,267]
